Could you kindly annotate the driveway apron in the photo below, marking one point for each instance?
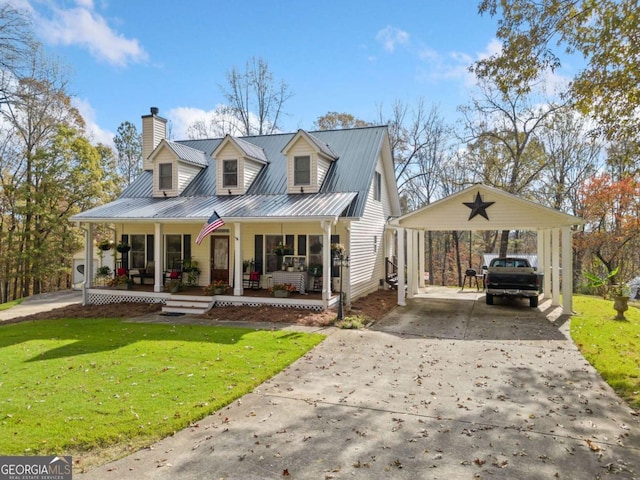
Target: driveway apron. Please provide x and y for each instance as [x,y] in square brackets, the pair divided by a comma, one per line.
[439,389]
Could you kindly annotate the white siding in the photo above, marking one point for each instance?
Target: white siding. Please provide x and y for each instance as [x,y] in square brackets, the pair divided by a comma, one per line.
[186,173]
[367,262]
[323,168]
[251,170]
[154,130]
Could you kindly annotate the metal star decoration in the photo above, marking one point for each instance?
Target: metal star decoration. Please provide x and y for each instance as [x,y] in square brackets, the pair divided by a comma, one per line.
[478,207]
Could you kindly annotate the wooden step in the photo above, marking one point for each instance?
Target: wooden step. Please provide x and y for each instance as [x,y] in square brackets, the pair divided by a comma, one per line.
[195,305]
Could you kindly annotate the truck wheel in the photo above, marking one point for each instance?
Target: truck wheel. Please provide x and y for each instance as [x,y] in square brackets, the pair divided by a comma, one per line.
[489,299]
[533,302]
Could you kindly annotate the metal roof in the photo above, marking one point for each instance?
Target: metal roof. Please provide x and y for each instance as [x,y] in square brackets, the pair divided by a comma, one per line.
[241,207]
[188,154]
[349,177]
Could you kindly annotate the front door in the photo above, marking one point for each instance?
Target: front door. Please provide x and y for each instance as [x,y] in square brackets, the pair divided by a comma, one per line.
[220,258]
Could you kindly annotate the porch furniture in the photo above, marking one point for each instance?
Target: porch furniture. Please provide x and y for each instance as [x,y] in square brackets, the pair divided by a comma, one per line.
[142,273]
[251,280]
[297,279]
[266,281]
[175,273]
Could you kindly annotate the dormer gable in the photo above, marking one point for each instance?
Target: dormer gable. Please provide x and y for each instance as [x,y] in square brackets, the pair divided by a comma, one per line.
[174,166]
[308,161]
[238,163]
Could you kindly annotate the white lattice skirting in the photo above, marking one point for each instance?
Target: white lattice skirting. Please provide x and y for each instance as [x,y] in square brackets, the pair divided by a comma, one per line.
[249,303]
[106,298]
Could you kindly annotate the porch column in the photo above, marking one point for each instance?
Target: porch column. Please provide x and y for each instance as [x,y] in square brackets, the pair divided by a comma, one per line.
[238,289]
[547,264]
[421,257]
[401,262]
[158,257]
[555,267]
[540,253]
[411,273]
[567,272]
[88,263]
[326,263]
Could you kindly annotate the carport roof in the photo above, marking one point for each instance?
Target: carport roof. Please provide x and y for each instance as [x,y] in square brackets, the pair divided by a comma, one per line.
[466,210]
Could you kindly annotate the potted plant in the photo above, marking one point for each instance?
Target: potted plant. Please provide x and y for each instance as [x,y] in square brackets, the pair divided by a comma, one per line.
[123,247]
[282,290]
[104,245]
[282,249]
[174,285]
[190,267]
[337,249]
[121,282]
[618,291]
[217,287]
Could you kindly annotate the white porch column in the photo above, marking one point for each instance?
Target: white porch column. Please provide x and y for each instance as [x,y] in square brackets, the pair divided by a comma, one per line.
[567,272]
[88,263]
[540,252]
[238,289]
[401,265]
[555,267]
[421,256]
[547,263]
[158,257]
[326,262]
[411,270]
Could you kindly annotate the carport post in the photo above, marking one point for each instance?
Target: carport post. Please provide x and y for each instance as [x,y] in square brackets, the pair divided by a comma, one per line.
[555,266]
[411,271]
[567,272]
[401,265]
[421,256]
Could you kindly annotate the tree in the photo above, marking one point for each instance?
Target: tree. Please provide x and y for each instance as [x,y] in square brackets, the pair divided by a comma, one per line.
[611,210]
[16,43]
[502,129]
[255,98]
[335,120]
[128,143]
[604,32]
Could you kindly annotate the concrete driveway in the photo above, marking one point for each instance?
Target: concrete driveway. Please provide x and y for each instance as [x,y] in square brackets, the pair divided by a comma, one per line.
[444,388]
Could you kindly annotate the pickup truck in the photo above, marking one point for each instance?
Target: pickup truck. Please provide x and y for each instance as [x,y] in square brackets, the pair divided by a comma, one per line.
[512,277]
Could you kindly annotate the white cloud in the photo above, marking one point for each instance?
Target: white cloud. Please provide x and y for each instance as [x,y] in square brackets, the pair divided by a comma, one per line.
[390,37]
[94,132]
[83,26]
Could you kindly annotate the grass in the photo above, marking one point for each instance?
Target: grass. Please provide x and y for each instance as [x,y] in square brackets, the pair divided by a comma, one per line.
[611,346]
[8,305]
[74,385]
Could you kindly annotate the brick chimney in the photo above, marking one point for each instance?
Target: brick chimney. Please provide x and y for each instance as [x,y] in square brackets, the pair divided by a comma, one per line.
[154,129]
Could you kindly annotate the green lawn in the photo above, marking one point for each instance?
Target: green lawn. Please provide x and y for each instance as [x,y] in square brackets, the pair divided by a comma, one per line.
[8,305]
[77,384]
[611,346]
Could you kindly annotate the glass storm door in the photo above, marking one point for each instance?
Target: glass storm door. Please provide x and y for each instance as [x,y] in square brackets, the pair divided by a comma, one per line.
[220,258]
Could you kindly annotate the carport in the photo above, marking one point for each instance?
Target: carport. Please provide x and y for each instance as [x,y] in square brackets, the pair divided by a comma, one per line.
[480,208]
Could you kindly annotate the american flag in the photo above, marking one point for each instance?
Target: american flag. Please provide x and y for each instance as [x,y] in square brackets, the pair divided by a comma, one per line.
[210,226]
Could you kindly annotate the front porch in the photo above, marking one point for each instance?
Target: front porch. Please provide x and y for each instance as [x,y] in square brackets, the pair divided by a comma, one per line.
[192,299]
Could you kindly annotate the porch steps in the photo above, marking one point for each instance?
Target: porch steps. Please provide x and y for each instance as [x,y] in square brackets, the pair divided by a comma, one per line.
[188,304]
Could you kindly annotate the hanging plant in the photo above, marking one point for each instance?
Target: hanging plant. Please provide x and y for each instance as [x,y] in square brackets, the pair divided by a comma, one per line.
[123,247]
[104,245]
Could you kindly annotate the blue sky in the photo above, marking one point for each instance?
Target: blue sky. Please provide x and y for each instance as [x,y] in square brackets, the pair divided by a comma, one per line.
[336,55]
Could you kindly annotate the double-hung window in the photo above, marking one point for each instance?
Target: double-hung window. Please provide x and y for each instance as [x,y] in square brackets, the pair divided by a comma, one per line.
[229,173]
[302,170]
[165,176]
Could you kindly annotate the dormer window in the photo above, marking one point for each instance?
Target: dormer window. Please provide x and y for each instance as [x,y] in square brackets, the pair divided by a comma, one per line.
[230,173]
[165,176]
[302,170]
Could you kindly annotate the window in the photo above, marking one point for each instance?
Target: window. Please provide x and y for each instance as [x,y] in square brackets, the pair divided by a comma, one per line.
[137,253]
[229,173]
[377,186]
[173,250]
[165,179]
[302,170]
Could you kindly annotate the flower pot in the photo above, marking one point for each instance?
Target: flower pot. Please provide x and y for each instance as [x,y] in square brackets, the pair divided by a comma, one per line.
[123,286]
[218,291]
[620,305]
[280,293]
[123,249]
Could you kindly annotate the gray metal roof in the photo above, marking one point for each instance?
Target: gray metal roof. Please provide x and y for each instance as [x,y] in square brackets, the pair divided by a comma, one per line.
[349,177]
[188,154]
[295,207]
